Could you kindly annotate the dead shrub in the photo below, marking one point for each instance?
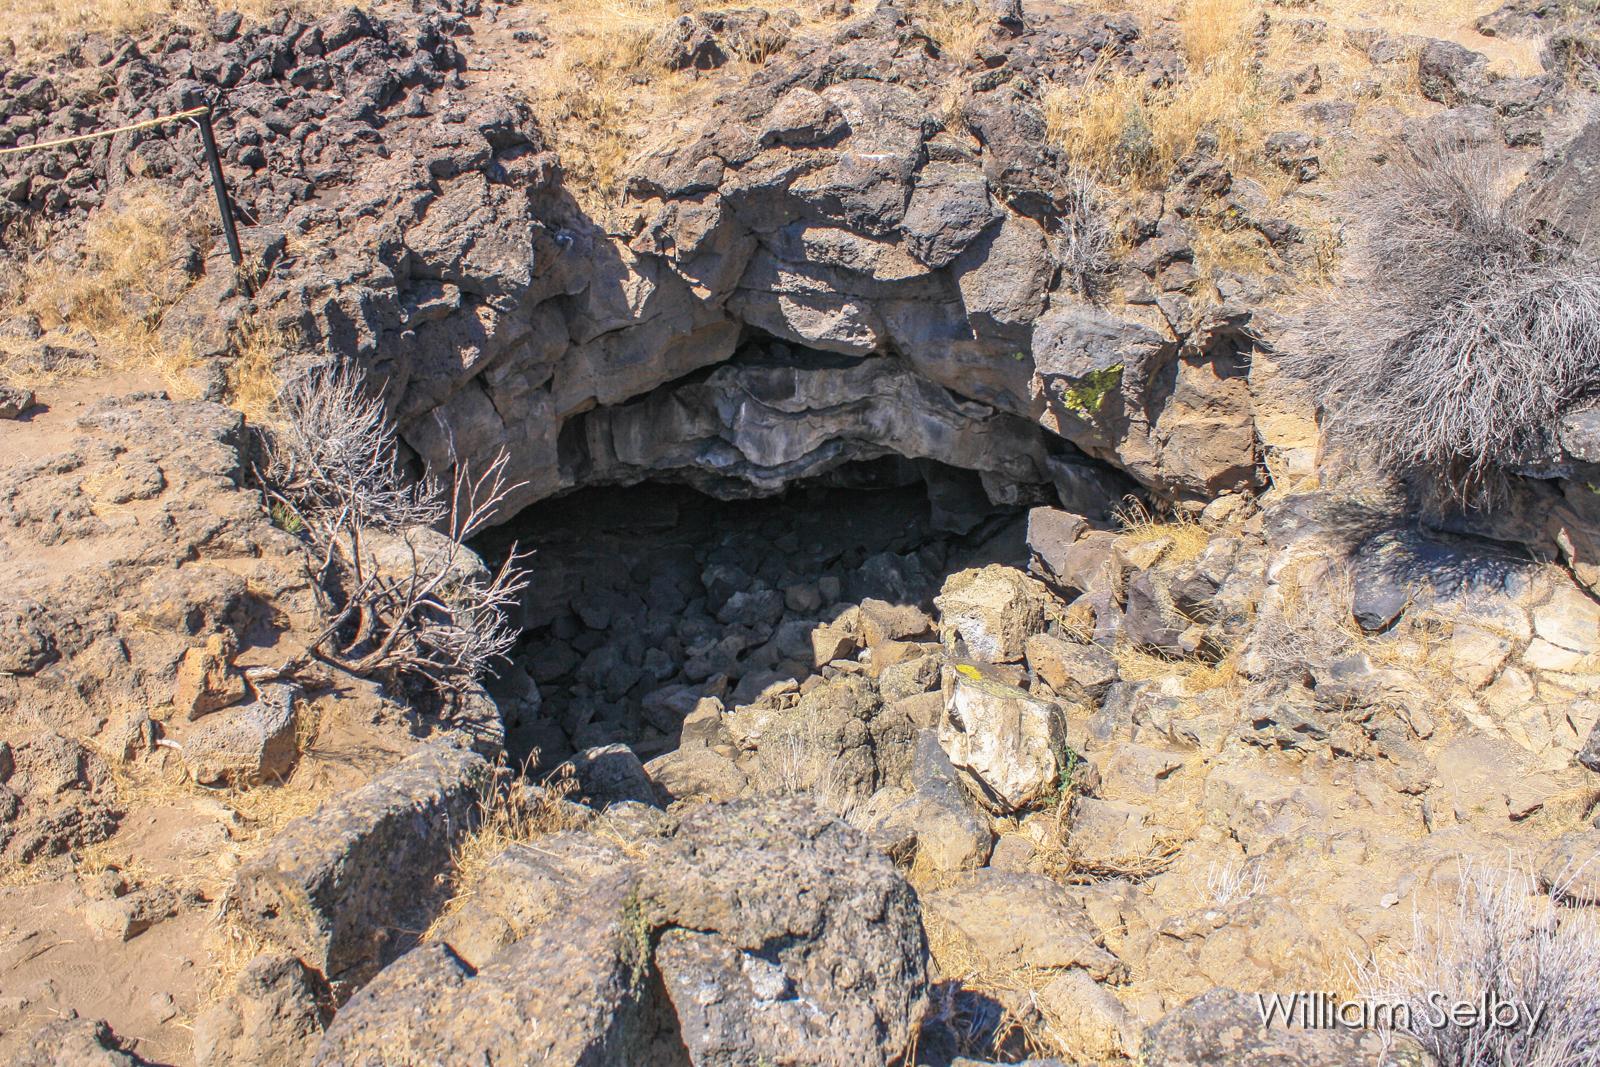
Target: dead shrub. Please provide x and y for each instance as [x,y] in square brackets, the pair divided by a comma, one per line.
[1501,937]
[333,465]
[1459,335]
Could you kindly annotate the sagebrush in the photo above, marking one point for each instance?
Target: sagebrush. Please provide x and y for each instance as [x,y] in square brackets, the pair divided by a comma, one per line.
[1461,333]
[1505,938]
[334,467]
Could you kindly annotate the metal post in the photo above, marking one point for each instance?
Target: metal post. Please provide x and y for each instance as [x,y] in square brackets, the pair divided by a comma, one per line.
[224,205]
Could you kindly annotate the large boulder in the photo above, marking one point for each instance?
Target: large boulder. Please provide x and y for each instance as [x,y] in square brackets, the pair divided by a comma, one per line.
[1009,746]
[334,884]
[749,931]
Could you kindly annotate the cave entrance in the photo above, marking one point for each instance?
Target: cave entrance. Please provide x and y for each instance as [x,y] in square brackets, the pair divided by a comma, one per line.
[643,593]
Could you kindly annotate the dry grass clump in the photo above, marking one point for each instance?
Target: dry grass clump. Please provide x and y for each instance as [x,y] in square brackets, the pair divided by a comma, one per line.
[1121,128]
[136,259]
[956,26]
[514,812]
[254,385]
[608,93]
[1502,937]
[1140,525]
[131,266]
[1459,336]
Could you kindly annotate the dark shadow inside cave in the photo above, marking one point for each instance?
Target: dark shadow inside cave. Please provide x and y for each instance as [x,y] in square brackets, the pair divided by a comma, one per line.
[644,598]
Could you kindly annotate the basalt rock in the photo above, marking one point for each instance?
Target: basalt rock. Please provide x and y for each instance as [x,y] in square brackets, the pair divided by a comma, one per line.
[818,204]
[332,884]
[634,957]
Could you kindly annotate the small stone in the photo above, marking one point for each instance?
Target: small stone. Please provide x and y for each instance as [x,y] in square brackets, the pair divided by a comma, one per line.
[162,1007]
[14,401]
[805,598]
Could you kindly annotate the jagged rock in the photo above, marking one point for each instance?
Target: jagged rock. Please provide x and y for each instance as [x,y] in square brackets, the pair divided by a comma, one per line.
[332,884]
[57,795]
[993,610]
[1571,868]
[1589,755]
[251,744]
[881,622]
[75,1042]
[272,1017]
[695,772]
[838,742]
[126,917]
[206,681]
[938,819]
[1110,834]
[1008,745]
[14,400]
[1011,920]
[1223,1027]
[1081,673]
[823,921]
[912,677]
[1051,535]
[1146,619]
[526,886]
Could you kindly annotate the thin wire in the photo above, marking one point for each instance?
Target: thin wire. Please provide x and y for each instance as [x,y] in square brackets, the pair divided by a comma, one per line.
[191,113]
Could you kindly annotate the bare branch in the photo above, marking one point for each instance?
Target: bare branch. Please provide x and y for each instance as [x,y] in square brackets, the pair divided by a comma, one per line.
[439,616]
[1460,336]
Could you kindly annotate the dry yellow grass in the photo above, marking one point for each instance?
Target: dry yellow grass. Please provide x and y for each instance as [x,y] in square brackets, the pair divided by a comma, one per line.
[606,97]
[515,813]
[1119,128]
[43,26]
[126,273]
[955,25]
[1139,526]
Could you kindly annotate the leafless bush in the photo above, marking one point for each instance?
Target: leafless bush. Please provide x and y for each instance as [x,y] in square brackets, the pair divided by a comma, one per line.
[333,455]
[1459,336]
[333,465]
[1234,885]
[1505,939]
[1083,244]
[1295,631]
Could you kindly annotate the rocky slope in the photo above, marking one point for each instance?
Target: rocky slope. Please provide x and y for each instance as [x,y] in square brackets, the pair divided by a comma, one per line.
[930,755]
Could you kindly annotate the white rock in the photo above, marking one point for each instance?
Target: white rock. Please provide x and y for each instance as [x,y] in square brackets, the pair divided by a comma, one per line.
[994,610]
[1004,742]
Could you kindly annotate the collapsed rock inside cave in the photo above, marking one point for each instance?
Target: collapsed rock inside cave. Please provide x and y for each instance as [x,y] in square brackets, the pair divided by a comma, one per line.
[639,592]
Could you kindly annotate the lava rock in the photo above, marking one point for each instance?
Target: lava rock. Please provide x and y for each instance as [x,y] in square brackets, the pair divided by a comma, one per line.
[273,1017]
[332,884]
[1224,1028]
